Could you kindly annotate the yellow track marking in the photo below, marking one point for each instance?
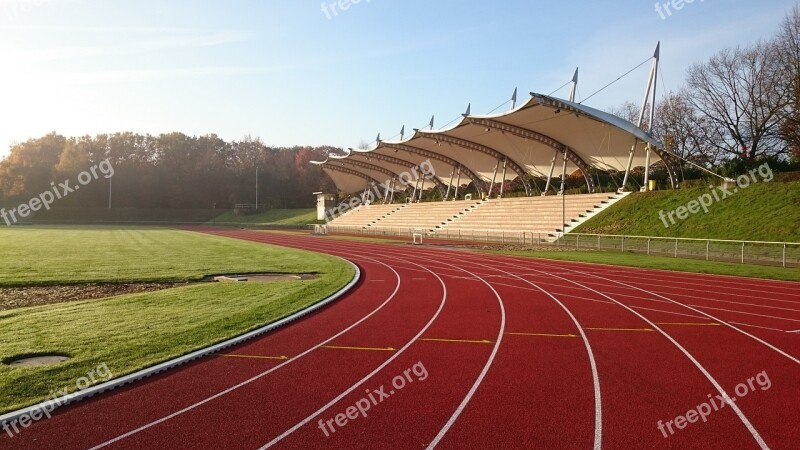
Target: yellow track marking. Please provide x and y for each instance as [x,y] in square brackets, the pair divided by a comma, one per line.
[691,324]
[543,335]
[620,329]
[464,341]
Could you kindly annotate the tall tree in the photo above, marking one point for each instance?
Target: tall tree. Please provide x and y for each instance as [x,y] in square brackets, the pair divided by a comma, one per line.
[741,93]
[788,42]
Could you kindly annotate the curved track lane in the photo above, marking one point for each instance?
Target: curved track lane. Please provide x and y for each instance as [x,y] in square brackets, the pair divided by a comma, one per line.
[516,353]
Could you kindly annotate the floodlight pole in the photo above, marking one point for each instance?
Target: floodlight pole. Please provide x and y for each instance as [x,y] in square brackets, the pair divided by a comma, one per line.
[503,179]
[564,196]
[549,177]
[449,186]
[494,178]
[109,192]
[256,188]
[458,183]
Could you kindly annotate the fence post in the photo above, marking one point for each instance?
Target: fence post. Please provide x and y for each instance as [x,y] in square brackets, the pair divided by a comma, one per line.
[676,248]
[784,254]
[598,242]
[577,242]
[648,247]
[742,252]
[708,248]
[623,244]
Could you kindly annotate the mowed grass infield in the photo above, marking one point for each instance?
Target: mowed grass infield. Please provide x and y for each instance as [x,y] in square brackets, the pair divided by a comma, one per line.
[131,332]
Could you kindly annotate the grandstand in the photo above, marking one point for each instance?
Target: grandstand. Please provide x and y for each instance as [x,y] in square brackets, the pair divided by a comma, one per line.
[491,218]
[483,155]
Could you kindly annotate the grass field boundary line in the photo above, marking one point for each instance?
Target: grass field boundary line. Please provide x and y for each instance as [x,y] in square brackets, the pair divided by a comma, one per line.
[171,364]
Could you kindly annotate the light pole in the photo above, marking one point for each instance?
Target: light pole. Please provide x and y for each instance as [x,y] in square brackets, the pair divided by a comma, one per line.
[564,196]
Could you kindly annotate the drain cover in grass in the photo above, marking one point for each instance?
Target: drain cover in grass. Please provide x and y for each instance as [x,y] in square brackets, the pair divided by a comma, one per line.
[36,361]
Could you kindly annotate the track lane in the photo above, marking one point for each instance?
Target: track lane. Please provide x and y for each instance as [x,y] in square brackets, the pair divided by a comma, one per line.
[166,393]
[628,366]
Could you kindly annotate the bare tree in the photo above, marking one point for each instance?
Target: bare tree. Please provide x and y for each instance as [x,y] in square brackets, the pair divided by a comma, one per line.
[682,130]
[788,42]
[628,111]
[742,95]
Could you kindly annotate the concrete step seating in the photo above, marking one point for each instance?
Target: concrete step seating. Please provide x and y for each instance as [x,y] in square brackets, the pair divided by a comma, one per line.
[533,214]
[424,216]
[363,216]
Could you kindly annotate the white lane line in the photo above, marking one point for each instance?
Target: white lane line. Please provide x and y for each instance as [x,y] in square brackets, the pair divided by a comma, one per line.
[598,408]
[257,377]
[681,279]
[485,370]
[668,312]
[758,326]
[742,312]
[397,354]
[728,324]
[697,364]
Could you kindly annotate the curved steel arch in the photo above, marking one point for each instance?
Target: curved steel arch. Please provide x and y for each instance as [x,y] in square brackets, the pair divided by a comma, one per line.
[368,166]
[531,135]
[476,180]
[397,162]
[523,175]
[348,171]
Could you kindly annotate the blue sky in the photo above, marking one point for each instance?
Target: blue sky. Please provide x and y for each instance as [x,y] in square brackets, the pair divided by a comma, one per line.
[293,75]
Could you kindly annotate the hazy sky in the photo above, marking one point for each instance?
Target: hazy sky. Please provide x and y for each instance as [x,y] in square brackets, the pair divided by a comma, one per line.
[295,73]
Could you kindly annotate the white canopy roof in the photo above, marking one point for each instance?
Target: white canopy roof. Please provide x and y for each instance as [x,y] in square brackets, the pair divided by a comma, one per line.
[524,141]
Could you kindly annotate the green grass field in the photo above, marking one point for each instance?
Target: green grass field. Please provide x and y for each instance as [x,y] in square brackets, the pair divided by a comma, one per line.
[280,217]
[130,332]
[762,212]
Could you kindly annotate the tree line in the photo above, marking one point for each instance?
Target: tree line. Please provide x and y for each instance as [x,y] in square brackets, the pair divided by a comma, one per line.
[166,171]
[738,108]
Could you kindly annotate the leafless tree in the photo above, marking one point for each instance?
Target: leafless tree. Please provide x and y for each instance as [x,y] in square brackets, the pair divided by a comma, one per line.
[628,111]
[742,94]
[788,42]
[682,130]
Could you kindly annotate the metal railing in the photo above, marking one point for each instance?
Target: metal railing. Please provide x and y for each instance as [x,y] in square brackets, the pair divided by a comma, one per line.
[780,254]
[783,254]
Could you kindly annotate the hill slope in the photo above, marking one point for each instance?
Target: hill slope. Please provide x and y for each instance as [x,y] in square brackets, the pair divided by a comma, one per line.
[281,217]
[762,212]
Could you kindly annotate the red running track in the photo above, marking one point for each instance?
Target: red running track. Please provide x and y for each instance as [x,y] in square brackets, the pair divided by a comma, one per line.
[453,349]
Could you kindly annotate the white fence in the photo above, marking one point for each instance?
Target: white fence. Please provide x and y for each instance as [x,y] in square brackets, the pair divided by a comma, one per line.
[781,254]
